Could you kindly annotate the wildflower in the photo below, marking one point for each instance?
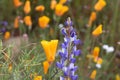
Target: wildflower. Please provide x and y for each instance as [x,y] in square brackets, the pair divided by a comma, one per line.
[93,74]
[98,66]
[17,3]
[43,21]
[96,52]
[97,31]
[100,5]
[117,77]
[61,26]
[50,49]
[46,66]
[62,1]
[27,7]
[68,51]
[99,61]
[92,18]
[28,21]
[53,4]
[108,49]
[16,22]
[38,78]
[105,46]
[7,35]
[60,9]
[40,8]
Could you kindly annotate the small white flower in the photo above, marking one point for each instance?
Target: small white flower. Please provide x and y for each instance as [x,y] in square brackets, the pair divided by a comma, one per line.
[110,49]
[98,66]
[61,26]
[105,46]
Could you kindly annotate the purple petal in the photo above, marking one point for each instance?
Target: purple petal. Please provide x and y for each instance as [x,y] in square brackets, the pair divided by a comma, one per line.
[59,65]
[76,42]
[63,45]
[72,34]
[75,77]
[73,60]
[77,52]
[63,31]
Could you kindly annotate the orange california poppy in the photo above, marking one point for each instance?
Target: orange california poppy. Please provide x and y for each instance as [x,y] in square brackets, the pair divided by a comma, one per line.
[38,78]
[96,52]
[16,22]
[92,18]
[61,9]
[7,35]
[93,74]
[40,8]
[50,49]
[17,3]
[98,60]
[28,20]
[53,4]
[97,31]
[43,21]
[62,1]
[27,7]
[100,5]
[117,77]
[46,66]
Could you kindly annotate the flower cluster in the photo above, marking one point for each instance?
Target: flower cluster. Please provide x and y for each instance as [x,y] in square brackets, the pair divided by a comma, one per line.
[68,52]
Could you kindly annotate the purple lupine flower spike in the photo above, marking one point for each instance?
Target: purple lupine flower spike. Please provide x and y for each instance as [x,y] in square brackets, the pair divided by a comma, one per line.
[68,52]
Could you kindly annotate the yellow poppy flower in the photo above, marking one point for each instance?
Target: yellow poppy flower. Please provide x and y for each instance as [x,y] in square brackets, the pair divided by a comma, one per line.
[38,78]
[93,74]
[28,21]
[7,35]
[92,18]
[16,22]
[62,1]
[60,9]
[17,3]
[46,66]
[97,31]
[117,77]
[53,4]
[98,60]
[96,52]
[100,5]
[43,21]
[40,8]
[27,7]
[50,49]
